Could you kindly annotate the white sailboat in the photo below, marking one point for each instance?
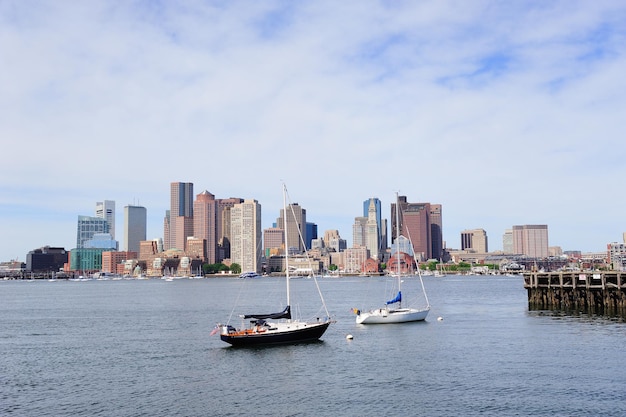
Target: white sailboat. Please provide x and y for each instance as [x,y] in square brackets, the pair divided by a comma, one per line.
[440,270]
[393,311]
[276,328]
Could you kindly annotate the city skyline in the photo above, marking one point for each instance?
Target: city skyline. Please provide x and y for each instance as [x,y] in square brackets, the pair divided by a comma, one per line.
[505,114]
[408,208]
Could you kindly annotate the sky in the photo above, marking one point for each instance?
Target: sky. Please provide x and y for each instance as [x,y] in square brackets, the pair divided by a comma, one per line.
[505,113]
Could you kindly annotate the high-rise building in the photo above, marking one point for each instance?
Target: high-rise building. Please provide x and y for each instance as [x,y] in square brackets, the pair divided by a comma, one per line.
[359,232]
[418,222]
[87,227]
[273,241]
[245,219]
[531,240]
[311,233]
[475,239]
[223,226]
[296,221]
[135,227]
[436,231]
[106,210]
[380,222]
[507,241]
[176,230]
[205,223]
[372,228]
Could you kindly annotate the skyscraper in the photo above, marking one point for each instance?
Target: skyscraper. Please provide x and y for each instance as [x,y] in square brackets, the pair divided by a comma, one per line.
[475,240]
[531,240]
[135,225]
[418,222]
[106,210]
[87,227]
[372,228]
[178,222]
[296,226]
[246,235]
[205,223]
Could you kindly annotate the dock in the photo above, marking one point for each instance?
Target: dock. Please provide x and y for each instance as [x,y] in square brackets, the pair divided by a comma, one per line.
[596,292]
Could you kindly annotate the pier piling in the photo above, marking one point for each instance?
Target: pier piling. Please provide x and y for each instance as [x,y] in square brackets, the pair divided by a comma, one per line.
[598,292]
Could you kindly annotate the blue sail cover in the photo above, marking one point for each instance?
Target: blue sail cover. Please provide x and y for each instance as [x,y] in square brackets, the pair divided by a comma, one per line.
[397,299]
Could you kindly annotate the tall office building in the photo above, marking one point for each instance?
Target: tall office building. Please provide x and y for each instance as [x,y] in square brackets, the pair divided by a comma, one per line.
[87,227]
[296,222]
[507,241]
[416,222]
[475,239]
[176,229]
[205,223]
[106,210]
[381,223]
[372,230]
[135,227]
[436,231]
[246,235]
[273,241]
[223,226]
[359,232]
[531,240]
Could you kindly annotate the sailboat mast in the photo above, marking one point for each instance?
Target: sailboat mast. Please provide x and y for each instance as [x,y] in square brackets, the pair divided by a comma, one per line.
[398,246]
[286,243]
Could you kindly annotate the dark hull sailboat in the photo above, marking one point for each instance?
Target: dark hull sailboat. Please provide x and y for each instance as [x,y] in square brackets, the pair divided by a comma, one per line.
[275,328]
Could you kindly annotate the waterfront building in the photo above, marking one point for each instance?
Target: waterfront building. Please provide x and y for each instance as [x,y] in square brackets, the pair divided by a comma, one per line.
[46,259]
[86,260]
[135,227]
[87,227]
[617,256]
[205,223]
[296,222]
[354,259]
[531,240]
[197,249]
[475,240]
[114,262]
[106,210]
[175,230]
[246,235]
[273,242]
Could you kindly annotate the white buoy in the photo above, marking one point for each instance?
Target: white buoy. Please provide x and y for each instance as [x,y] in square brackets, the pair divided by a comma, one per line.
[349,337]
[439,318]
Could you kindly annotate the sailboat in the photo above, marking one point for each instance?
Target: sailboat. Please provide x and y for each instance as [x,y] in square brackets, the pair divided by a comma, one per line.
[280,327]
[440,271]
[393,311]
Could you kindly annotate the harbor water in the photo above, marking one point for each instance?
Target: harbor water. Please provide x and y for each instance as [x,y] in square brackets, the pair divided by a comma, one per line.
[143,348]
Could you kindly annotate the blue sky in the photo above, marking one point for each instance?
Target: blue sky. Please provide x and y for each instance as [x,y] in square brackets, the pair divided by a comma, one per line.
[506,113]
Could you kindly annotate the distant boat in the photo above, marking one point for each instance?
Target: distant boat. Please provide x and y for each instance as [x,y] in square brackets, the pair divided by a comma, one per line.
[393,311]
[275,328]
[249,275]
[440,270]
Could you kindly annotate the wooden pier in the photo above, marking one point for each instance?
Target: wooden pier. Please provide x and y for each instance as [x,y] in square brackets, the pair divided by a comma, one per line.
[597,292]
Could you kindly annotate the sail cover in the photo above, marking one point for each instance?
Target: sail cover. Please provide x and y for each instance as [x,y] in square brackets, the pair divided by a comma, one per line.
[397,299]
[285,314]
